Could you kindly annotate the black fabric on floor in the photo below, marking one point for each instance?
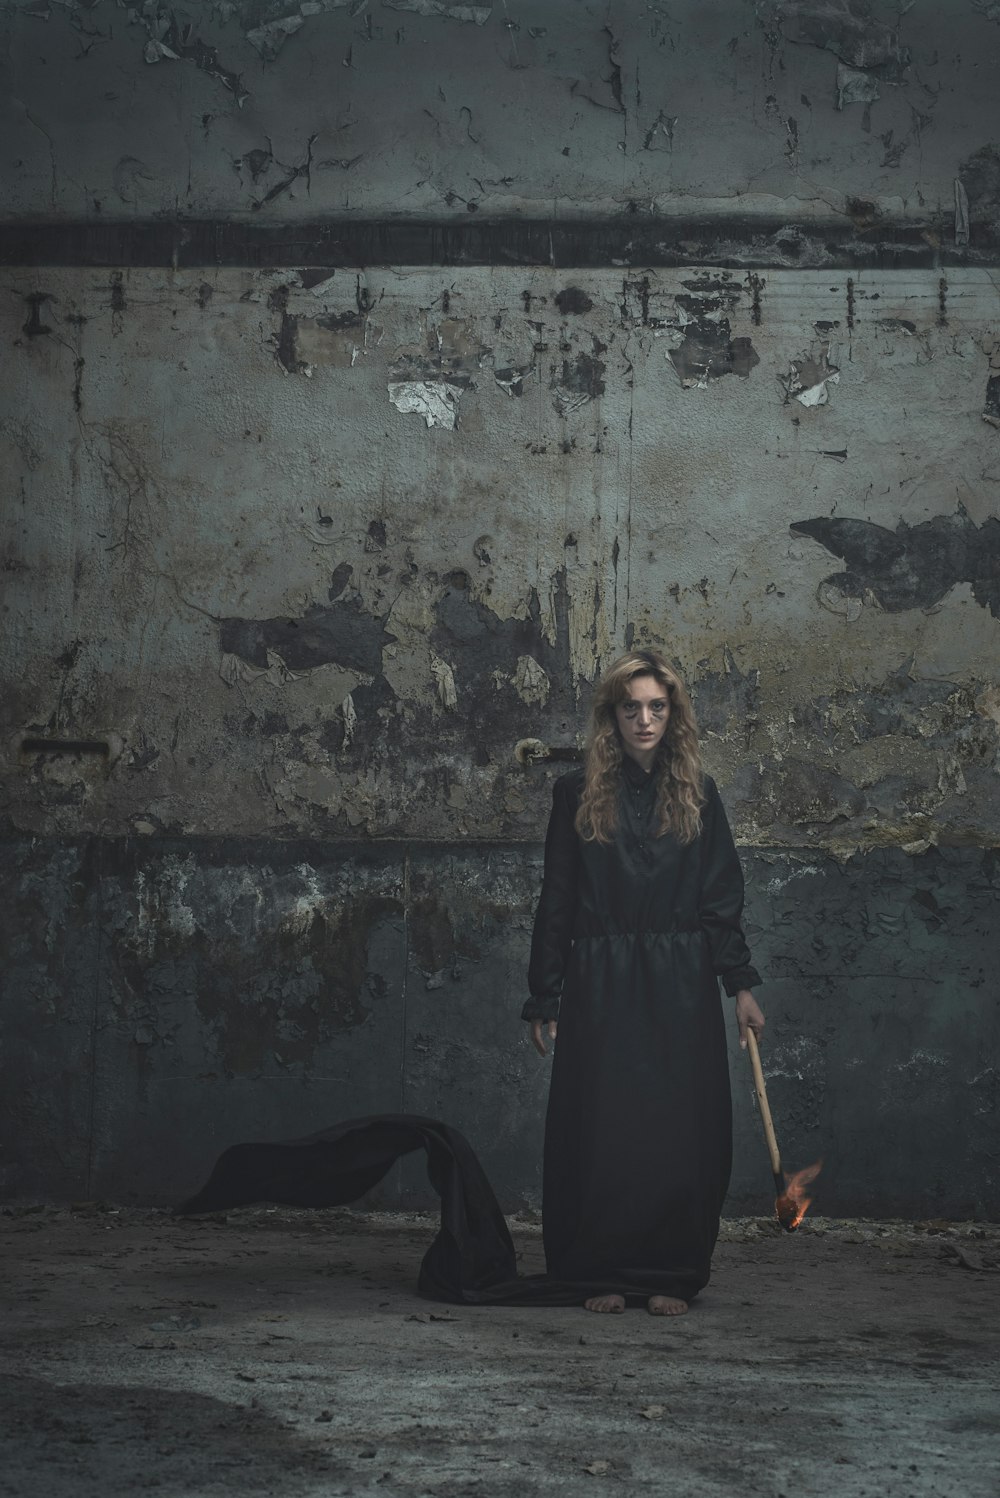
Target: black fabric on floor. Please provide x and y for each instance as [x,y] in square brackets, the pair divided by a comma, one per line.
[470,1261]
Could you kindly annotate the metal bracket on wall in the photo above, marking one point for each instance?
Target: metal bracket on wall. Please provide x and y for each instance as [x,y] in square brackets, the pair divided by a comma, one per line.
[105,751]
[66,746]
[530,752]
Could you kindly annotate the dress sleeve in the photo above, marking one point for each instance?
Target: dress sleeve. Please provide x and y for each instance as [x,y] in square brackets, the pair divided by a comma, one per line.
[552,937]
[720,897]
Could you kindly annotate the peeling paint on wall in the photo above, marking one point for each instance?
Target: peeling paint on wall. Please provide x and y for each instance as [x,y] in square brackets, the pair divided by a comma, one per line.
[336,633]
[269,39]
[579,380]
[991,406]
[530,681]
[727,696]
[444,678]
[709,351]
[429,380]
[177,40]
[705,348]
[854,87]
[391,613]
[478,15]
[603,88]
[979,178]
[810,377]
[435,400]
[512,380]
[847,30]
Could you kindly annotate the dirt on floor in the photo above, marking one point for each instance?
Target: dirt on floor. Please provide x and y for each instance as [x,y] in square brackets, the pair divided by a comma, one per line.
[287,1353]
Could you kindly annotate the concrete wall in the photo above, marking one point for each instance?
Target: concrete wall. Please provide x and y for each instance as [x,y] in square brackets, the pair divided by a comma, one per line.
[821,112]
[373,376]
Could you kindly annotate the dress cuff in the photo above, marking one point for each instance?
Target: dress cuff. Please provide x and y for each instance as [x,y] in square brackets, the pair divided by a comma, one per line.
[543,1009]
[740,977]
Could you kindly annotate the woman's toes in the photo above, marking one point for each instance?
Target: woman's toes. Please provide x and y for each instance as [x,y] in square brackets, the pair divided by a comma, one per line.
[666,1305]
[605,1303]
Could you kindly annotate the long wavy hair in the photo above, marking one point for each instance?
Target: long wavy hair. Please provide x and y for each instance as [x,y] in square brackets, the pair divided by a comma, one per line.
[677,767]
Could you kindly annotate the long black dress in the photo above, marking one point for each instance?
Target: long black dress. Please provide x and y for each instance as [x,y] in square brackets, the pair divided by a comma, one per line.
[630,940]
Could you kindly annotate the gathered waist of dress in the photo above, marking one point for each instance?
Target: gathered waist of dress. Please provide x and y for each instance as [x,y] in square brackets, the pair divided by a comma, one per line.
[588,930]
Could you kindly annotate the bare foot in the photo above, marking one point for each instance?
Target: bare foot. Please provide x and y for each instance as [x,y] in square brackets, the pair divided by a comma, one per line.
[615,1303]
[666,1305]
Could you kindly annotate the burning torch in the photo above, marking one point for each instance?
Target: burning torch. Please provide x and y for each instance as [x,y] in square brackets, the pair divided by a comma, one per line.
[791,1202]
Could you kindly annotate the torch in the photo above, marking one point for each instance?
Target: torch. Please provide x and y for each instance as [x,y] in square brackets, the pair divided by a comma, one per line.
[790,1201]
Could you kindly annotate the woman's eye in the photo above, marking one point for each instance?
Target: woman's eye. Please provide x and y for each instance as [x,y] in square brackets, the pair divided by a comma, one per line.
[656,708]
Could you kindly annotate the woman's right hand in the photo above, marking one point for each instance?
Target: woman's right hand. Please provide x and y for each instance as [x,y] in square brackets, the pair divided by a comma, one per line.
[537,1038]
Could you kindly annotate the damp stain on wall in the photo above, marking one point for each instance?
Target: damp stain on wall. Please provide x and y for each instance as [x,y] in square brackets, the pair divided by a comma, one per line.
[274,957]
[338,633]
[911,567]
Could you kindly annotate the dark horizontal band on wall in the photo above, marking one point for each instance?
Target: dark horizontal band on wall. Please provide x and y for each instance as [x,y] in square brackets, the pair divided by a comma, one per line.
[622,243]
[250,848]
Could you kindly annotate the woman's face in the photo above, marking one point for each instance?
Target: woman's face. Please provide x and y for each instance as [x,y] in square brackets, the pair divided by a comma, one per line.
[643,717]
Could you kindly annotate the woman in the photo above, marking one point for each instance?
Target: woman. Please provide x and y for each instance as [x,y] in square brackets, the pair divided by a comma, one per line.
[639,917]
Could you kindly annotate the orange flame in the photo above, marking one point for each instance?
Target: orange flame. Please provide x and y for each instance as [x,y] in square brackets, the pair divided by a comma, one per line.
[793,1204]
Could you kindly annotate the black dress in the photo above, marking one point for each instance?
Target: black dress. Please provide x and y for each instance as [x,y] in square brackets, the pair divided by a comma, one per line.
[629,942]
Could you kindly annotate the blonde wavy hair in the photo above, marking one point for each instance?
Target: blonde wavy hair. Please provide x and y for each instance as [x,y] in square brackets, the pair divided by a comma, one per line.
[677,767]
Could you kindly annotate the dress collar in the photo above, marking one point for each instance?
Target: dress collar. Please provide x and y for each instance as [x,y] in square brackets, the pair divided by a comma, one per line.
[635,775]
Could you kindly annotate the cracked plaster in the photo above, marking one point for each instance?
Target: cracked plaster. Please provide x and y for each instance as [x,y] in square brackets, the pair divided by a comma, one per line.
[309,614]
[621,124]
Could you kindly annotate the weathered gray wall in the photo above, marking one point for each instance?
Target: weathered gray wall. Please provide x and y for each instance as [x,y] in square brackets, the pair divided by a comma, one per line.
[812,111]
[304,542]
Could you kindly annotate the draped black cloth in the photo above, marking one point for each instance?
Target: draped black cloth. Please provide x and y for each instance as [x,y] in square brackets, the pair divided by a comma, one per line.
[629,942]
[470,1261]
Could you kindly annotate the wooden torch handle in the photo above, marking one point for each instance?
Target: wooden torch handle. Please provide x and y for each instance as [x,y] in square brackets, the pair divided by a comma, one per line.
[765,1112]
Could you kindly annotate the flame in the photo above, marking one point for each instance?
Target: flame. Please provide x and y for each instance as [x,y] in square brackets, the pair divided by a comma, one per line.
[793,1204]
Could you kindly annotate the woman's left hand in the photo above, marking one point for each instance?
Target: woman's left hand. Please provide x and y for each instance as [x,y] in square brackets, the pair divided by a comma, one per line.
[749,1015]
[537,1039]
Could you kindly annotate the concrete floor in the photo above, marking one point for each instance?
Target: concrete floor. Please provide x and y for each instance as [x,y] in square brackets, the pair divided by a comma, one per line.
[286,1353]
